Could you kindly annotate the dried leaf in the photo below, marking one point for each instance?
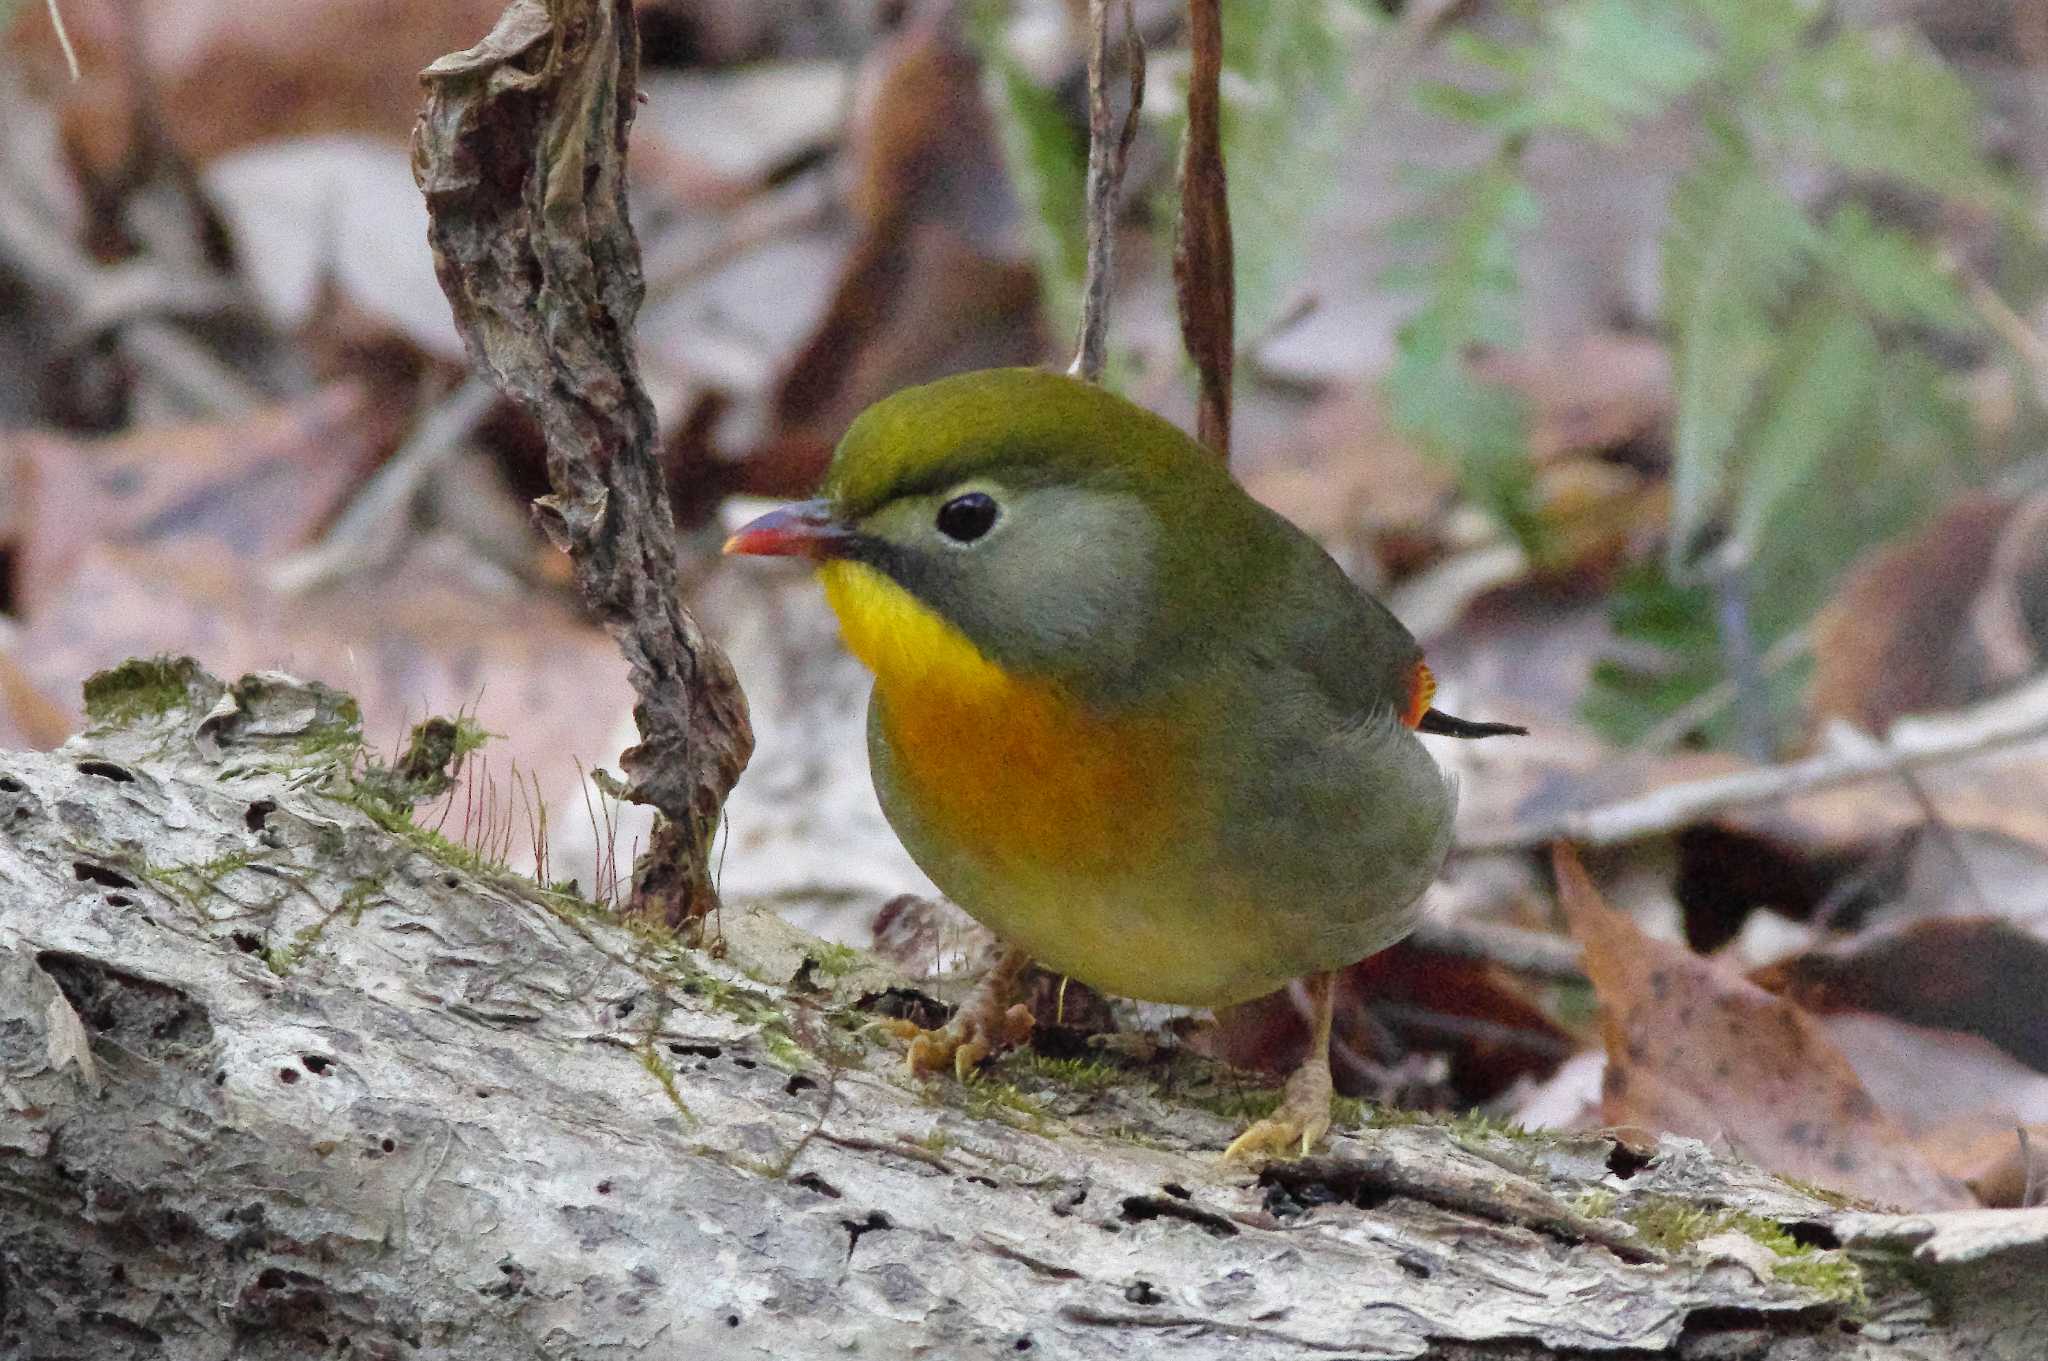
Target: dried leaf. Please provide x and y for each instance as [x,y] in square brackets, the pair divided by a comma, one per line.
[1894,639]
[933,283]
[521,155]
[222,76]
[1602,392]
[28,718]
[1981,975]
[257,485]
[1696,1049]
[2005,1169]
[1407,1000]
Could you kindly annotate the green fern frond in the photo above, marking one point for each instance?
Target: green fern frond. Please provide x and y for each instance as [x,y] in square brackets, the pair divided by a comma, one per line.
[1433,395]
[1048,164]
[1735,248]
[1605,67]
[1819,395]
[1892,273]
[1882,102]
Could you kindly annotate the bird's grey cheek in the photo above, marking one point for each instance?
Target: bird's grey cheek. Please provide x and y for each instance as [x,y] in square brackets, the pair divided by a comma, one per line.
[1110,603]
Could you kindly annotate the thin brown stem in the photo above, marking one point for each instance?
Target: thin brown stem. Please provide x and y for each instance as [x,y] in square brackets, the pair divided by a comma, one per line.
[1203,269]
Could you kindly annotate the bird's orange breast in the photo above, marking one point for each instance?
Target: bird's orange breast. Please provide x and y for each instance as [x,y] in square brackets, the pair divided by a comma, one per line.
[1014,769]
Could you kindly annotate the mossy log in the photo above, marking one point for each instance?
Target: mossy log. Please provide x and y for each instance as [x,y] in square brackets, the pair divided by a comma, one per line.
[283,1076]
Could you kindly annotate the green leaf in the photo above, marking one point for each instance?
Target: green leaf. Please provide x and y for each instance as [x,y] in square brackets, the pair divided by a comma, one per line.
[1048,164]
[1607,65]
[1672,657]
[1479,428]
[1892,273]
[1822,393]
[1753,34]
[1882,102]
[1735,248]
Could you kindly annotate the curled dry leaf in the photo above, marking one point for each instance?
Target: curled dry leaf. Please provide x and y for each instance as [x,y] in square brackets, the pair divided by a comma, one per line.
[523,170]
[1694,1048]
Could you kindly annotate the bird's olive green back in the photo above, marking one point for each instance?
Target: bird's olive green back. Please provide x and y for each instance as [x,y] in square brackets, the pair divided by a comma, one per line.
[1222,570]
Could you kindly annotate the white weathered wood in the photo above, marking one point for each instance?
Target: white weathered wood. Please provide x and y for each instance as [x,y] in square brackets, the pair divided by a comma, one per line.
[276,1083]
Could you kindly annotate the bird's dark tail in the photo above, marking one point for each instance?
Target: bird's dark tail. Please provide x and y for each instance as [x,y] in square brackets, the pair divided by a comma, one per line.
[1443,725]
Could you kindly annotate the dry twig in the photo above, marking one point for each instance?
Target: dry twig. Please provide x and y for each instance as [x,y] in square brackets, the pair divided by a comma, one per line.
[1913,744]
[1106,161]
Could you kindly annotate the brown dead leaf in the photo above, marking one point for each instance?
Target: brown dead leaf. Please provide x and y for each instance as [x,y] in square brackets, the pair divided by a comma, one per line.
[1696,1049]
[935,282]
[29,720]
[1602,393]
[1995,794]
[1348,478]
[1984,976]
[222,76]
[1406,1000]
[2003,1168]
[1927,1078]
[256,486]
[424,639]
[1933,622]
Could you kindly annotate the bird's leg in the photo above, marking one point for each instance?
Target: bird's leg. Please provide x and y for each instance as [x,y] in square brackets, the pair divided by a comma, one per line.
[1304,1114]
[988,1022]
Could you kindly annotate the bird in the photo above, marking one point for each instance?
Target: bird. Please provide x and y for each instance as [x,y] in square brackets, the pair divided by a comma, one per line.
[1139,725]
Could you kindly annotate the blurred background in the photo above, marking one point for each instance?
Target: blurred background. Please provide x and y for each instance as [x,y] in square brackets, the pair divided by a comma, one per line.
[1673,367]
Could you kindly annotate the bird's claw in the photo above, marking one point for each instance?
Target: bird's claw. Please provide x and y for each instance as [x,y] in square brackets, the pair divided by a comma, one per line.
[967,1041]
[1299,1124]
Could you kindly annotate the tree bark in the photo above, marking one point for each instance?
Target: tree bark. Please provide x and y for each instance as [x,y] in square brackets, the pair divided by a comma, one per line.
[281,1076]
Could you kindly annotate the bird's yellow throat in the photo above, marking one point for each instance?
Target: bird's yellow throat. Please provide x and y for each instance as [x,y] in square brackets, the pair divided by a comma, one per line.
[1014,767]
[902,641]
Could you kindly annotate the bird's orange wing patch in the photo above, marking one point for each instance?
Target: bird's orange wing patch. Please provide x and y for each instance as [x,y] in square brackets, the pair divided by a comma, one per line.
[1421,690]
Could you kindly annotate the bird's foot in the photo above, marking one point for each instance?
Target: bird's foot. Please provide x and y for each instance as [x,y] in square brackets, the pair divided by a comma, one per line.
[965,1042]
[986,1024]
[1299,1124]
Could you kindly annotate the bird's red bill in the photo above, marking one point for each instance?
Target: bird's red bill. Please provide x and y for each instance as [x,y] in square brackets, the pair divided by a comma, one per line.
[804,530]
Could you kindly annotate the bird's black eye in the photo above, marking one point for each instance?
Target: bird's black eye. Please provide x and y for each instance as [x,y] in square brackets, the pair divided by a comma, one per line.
[966,518]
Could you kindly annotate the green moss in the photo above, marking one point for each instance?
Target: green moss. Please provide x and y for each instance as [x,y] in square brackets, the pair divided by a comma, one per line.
[655,1064]
[283,959]
[1471,1124]
[1083,1075]
[147,687]
[1827,1195]
[836,961]
[189,882]
[991,1098]
[1677,1227]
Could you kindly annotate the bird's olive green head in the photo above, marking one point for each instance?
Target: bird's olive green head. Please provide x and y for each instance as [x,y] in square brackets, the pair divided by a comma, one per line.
[1057,526]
